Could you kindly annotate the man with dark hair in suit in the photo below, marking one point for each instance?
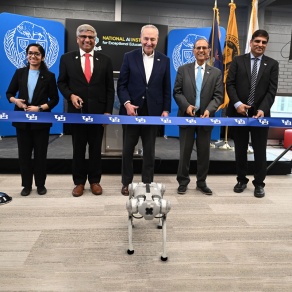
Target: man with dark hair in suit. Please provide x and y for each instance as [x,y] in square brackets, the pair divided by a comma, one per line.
[198,93]
[143,89]
[86,82]
[252,83]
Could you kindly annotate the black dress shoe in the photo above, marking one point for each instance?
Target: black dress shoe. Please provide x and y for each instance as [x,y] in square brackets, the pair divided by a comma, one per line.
[239,187]
[25,191]
[259,192]
[125,191]
[205,190]
[41,190]
[182,189]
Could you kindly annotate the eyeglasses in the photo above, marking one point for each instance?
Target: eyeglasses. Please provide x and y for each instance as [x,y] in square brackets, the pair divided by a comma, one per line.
[36,54]
[201,48]
[258,41]
[84,37]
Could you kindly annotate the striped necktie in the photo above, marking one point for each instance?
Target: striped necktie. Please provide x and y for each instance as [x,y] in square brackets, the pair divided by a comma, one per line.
[253,81]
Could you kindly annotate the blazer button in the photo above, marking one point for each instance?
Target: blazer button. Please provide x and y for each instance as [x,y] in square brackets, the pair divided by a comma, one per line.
[143,97]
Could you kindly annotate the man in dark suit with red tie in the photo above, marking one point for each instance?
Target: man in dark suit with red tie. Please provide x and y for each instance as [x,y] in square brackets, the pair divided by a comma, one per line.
[86,82]
[144,90]
[252,83]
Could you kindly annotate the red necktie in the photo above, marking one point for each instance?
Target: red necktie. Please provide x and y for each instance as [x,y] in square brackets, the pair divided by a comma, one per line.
[87,67]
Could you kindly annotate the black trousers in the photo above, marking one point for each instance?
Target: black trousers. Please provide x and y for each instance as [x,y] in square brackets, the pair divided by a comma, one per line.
[131,134]
[82,169]
[259,136]
[36,142]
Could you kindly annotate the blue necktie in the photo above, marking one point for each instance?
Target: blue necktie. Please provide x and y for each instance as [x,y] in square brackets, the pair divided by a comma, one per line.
[198,87]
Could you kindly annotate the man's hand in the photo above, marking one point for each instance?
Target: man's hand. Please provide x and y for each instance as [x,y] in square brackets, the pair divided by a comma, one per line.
[191,110]
[131,109]
[206,114]
[243,109]
[164,114]
[76,101]
[260,114]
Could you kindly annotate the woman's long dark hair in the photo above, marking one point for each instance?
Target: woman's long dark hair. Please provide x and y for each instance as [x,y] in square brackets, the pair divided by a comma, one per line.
[43,65]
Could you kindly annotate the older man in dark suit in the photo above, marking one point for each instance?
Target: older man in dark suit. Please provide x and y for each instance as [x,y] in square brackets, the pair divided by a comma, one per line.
[86,82]
[198,92]
[143,89]
[252,83]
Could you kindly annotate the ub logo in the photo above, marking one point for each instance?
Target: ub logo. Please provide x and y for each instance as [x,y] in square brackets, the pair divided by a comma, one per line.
[191,121]
[87,118]
[140,120]
[183,52]
[240,121]
[215,121]
[3,116]
[16,40]
[166,120]
[31,117]
[114,120]
[287,122]
[60,118]
[264,122]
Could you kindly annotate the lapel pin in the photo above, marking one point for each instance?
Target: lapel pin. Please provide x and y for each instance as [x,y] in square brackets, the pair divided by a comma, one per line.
[265,64]
[76,57]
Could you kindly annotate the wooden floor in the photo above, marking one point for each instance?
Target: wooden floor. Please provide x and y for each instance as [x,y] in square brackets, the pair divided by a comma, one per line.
[224,242]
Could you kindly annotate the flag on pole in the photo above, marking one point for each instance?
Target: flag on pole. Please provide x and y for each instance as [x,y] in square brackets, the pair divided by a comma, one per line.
[290,55]
[253,24]
[231,47]
[216,58]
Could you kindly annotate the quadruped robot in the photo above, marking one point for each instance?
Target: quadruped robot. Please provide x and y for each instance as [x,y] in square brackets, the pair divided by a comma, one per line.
[147,200]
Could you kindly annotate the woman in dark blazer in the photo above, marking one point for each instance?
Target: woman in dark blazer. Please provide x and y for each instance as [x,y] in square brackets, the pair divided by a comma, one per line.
[37,91]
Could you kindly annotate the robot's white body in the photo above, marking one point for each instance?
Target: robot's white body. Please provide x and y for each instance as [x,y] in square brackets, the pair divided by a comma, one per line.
[147,200]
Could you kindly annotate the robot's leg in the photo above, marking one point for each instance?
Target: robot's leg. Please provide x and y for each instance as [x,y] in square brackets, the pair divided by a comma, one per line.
[159,226]
[130,229]
[164,255]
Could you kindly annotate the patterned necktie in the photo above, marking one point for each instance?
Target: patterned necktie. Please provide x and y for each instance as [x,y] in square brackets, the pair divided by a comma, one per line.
[198,87]
[253,81]
[87,67]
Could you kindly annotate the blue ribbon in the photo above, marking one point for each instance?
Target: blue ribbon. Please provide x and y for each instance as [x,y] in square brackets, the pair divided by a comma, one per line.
[43,117]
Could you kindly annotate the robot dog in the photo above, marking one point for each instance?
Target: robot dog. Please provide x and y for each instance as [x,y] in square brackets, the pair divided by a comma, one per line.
[147,200]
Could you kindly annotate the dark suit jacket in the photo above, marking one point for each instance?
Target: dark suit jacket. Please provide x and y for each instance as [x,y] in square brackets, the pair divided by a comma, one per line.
[98,94]
[132,83]
[45,92]
[238,83]
[184,91]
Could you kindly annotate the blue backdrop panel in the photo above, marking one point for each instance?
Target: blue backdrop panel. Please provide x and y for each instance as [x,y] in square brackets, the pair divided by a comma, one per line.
[180,51]
[16,33]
